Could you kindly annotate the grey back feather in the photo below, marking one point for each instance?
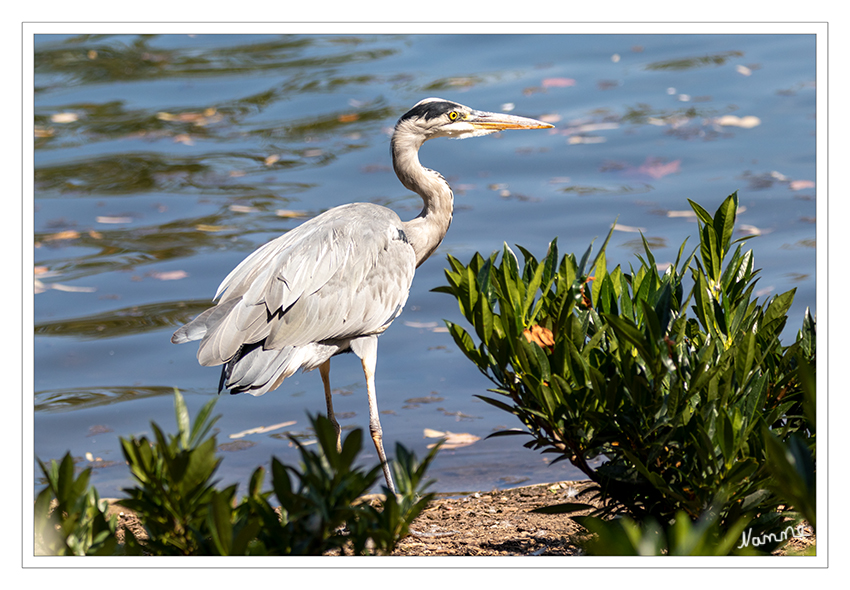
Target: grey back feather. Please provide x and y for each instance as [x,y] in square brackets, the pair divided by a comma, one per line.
[343,274]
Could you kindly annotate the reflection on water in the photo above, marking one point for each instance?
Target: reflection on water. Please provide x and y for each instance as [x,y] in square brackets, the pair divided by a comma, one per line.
[95,59]
[162,161]
[77,398]
[114,323]
[689,63]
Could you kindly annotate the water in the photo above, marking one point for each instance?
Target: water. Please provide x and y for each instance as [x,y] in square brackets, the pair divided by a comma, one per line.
[162,161]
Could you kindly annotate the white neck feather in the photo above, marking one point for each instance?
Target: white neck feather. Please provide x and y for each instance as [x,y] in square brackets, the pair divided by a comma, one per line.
[427,230]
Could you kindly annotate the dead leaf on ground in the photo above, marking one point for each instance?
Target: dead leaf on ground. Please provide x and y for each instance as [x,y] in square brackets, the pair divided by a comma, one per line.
[577,139]
[797,185]
[63,235]
[42,287]
[453,440]
[747,122]
[288,213]
[64,117]
[422,325]
[261,429]
[198,119]
[171,275]
[243,209]
[558,82]
[210,228]
[114,219]
[71,289]
[628,228]
[590,127]
[655,168]
[691,214]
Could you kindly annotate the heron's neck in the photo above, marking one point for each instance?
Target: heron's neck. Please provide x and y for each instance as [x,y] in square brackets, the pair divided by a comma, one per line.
[427,230]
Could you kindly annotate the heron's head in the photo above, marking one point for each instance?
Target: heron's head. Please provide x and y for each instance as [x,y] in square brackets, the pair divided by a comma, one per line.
[437,117]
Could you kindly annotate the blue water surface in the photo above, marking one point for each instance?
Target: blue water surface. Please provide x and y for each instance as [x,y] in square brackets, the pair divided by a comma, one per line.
[162,161]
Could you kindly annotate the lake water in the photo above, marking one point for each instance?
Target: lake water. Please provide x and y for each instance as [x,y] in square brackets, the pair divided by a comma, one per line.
[162,161]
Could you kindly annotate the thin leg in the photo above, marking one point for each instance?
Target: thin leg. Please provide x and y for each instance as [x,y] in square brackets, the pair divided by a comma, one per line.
[367,350]
[325,372]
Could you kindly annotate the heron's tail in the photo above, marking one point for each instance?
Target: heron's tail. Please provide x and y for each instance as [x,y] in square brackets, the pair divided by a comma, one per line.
[257,371]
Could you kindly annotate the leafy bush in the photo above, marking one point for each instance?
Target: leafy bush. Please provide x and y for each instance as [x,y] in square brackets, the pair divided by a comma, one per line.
[681,536]
[184,513]
[70,518]
[613,365]
[176,486]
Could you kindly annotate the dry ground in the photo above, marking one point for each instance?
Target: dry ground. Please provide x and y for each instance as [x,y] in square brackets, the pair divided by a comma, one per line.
[489,523]
[496,523]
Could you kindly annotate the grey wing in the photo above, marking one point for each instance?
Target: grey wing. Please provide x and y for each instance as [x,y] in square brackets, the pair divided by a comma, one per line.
[341,275]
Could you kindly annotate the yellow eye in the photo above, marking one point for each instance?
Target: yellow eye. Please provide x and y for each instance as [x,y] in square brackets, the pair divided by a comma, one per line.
[453,115]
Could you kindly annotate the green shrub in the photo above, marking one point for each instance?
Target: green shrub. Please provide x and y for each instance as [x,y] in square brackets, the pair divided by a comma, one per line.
[70,518]
[617,365]
[681,536]
[183,512]
[175,482]
[321,507]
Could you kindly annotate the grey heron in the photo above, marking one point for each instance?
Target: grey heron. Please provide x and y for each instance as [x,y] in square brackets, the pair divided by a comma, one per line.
[336,282]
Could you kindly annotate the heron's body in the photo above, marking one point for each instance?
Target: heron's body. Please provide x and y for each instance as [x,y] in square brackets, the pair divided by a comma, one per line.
[286,297]
[336,282]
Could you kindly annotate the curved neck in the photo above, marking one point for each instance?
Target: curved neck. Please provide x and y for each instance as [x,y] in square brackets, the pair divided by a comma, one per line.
[427,230]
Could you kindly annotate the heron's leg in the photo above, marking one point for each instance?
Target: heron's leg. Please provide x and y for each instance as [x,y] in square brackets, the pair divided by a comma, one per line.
[367,350]
[325,372]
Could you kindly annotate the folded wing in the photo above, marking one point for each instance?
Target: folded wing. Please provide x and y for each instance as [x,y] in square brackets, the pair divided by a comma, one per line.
[343,274]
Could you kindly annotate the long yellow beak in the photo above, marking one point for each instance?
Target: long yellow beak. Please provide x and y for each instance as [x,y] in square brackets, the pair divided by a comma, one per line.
[499,121]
